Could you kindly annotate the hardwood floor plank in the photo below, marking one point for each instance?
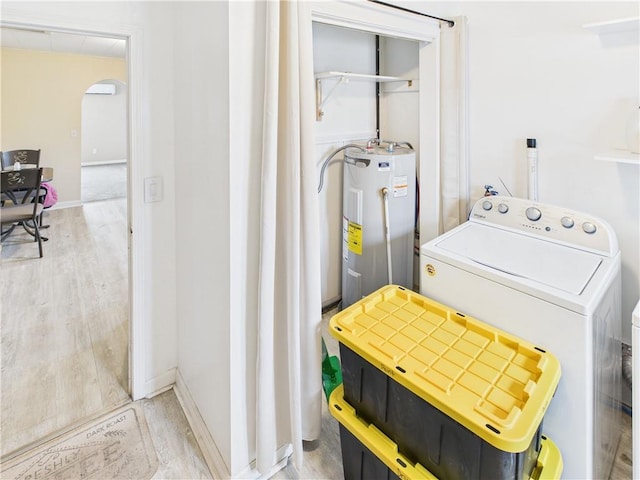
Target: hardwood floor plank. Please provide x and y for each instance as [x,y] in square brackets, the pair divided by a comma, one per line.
[77,390]
[623,463]
[25,419]
[179,456]
[110,340]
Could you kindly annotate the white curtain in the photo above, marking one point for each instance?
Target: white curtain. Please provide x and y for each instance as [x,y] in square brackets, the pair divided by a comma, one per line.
[289,388]
[454,141]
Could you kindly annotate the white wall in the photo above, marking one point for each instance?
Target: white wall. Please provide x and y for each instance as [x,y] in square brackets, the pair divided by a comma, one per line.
[42,94]
[219,101]
[104,126]
[202,202]
[535,72]
[157,293]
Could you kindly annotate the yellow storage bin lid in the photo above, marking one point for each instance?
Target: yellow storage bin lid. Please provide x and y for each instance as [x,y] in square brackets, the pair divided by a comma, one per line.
[376,441]
[548,465]
[493,383]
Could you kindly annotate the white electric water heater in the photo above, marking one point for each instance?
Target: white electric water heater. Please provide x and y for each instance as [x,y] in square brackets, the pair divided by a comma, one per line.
[379,215]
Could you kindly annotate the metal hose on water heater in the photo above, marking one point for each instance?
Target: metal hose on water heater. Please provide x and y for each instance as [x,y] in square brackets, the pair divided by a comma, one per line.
[387,232]
[328,159]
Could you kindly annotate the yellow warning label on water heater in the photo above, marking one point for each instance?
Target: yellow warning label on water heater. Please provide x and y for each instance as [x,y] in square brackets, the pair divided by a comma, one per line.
[354,238]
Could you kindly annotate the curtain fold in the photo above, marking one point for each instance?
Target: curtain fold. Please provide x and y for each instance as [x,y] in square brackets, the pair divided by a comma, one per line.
[454,141]
[288,382]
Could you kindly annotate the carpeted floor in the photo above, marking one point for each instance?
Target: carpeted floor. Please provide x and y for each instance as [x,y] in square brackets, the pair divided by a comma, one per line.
[104,182]
[116,446]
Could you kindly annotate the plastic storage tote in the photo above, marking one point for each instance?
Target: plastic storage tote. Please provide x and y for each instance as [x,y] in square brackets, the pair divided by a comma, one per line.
[456,395]
[368,454]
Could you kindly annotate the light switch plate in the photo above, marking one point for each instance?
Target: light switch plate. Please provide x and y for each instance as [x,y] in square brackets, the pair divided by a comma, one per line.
[152,189]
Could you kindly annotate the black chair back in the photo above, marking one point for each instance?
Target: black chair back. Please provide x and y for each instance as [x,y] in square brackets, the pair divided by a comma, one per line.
[25,157]
[21,186]
[20,205]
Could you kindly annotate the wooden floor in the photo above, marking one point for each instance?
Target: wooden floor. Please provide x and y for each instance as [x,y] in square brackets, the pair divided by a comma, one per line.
[179,456]
[623,463]
[64,323]
[64,349]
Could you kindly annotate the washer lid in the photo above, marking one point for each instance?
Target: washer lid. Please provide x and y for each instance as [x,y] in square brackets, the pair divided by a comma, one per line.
[548,263]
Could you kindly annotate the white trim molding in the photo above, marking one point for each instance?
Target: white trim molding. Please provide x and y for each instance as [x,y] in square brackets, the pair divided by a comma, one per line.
[377,19]
[212,456]
[68,204]
[160,383]
[103,162]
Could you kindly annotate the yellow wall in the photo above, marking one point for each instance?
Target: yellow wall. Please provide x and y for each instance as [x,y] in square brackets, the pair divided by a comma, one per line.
[41,99]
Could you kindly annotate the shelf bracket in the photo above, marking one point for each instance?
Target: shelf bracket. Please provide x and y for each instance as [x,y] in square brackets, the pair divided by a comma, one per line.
[319,100]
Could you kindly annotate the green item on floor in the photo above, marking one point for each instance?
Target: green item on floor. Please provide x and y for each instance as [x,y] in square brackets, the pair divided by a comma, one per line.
[331,373]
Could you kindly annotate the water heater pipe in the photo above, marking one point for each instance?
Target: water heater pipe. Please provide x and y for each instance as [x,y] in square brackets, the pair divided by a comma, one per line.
[328,159]
[387,232]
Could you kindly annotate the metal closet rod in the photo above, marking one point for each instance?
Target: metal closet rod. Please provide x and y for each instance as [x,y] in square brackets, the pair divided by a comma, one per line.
[451,23]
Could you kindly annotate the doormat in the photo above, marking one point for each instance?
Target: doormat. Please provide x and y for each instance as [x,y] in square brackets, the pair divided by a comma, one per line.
[116,446]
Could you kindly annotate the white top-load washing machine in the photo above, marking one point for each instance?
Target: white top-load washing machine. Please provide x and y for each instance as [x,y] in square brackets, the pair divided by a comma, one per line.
[550,276]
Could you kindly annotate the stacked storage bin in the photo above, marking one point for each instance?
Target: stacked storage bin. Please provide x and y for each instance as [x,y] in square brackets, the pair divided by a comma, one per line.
[431,393]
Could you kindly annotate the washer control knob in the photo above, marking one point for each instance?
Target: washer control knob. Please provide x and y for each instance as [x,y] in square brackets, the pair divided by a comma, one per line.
[487,205]
[589,228]
[533,214]
[567,222]
[503,208]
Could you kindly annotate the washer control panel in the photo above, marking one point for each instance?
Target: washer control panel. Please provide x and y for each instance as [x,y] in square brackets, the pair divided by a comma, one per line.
[555,223]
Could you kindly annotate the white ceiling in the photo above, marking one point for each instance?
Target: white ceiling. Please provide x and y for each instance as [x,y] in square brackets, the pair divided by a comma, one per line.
[62,42]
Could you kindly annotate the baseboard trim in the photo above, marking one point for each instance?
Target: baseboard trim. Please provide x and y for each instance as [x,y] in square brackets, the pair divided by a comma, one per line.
[212,456]
[160,384]
[104,162]
[68,204]
[283,454]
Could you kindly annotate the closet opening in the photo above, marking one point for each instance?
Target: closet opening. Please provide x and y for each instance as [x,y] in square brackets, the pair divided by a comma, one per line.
[371,88]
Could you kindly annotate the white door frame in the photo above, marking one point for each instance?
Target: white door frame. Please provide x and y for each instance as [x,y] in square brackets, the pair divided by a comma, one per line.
[138,321]
[385,21]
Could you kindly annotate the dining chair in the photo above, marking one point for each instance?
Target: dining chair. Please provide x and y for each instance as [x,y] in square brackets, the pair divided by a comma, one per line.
[25,157]
[21,207]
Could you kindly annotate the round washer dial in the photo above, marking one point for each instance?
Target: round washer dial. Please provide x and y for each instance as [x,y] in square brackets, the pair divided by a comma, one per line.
[567,222]
[589,228]
[487,205]
[533,214]
[503,207]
